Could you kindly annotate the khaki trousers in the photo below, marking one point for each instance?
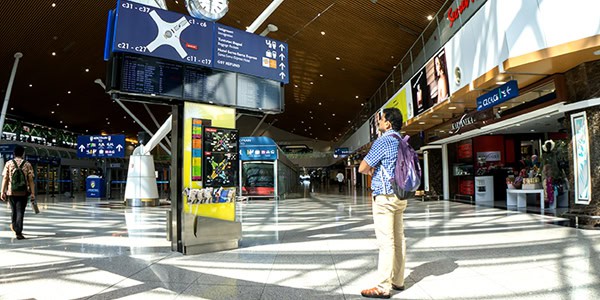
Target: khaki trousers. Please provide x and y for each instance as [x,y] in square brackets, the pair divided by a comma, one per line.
[388,213]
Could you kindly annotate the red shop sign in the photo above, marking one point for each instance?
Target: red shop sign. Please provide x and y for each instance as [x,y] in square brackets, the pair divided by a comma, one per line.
[453,14]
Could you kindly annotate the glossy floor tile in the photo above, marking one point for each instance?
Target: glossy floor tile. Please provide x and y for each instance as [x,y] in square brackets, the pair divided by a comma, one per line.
[321,246]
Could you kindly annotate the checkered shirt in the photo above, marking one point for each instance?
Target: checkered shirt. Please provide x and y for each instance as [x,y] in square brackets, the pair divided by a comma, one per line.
[384,152]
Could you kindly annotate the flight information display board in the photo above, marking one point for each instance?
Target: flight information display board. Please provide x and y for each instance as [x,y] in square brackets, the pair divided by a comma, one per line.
[141,75]
[260,93]
[201,84]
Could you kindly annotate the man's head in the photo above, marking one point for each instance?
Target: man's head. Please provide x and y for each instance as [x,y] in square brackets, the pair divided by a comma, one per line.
[390,119]
[19,151]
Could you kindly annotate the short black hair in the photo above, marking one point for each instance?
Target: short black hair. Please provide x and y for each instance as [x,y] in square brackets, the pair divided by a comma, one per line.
[394,116]
[19,151]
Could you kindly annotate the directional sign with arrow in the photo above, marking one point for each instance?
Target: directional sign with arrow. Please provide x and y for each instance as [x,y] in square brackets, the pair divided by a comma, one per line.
[251,54]
[101,146]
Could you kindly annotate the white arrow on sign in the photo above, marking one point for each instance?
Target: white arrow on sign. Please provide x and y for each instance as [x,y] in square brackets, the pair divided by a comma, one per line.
[282,66]
[282,75]
[282,47]
[119,148]
[281,56]
[81,148]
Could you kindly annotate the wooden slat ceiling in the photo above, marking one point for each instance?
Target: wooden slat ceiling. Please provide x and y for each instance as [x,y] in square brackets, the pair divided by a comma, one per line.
[369,38]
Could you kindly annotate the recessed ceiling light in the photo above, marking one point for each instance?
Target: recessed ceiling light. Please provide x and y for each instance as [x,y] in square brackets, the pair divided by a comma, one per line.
[311,117]
[310,111]
[301,122]
[434,116]
[517,125]
[106,119]
[328,128]
[12,108]
[452,107]
[309,127]
[319,103]
[66,126]
[86,130]
[87,70]
[547,116]
[421,123]
[503,107]
[337,58]
[333,115]
[60,122]
[394,67]
[53,53]
[305,129]
[295,85]
[68,92]
[442,131]
[322,32]
[500,82]
[30,85]
[311,82]
[321,75]
[53,4]
[430,17]
[124,117]
[325,124]
[532,130]
[597,52]
[52,112]
[108,123]
[356,97]
[57,104]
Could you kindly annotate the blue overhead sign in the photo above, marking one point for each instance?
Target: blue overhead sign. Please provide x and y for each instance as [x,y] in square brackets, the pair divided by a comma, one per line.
[257,148]
[164,34]
[160,33]
[499,95]
[243,52]
[341,152]
[101,146]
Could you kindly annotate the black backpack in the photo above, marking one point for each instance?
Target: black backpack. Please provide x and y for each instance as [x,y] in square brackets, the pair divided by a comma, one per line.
[18,182]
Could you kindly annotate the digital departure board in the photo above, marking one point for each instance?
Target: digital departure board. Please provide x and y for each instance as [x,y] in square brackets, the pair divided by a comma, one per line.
[202,84]
[142,75]
[254,92]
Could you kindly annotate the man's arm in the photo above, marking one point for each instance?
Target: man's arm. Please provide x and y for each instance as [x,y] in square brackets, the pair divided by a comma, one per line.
[364,168]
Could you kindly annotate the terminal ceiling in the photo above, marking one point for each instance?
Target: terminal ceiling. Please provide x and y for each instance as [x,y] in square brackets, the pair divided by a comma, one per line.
[341,51]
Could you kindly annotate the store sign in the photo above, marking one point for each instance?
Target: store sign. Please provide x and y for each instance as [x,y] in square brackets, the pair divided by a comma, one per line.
[499,95]
[454,14]
[470,120]
[489,156]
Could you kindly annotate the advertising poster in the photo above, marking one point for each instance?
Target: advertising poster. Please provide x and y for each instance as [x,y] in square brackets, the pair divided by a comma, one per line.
[581,153]
[211,202]
[430,85]
[399,101]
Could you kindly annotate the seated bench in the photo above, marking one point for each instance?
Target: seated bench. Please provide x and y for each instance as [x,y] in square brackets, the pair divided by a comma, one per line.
[519,198]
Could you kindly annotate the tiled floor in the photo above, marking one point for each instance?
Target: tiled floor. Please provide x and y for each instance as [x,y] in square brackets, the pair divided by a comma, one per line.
[318,247]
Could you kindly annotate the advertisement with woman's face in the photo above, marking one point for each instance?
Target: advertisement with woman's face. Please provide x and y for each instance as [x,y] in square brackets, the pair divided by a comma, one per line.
[430,85]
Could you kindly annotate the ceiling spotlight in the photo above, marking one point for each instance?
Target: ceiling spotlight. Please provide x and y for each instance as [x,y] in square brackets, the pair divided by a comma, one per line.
[52,112]
[362,104]
[321,75]
[356,97]
[597,52]
[295,85]
[66,126]
[60,122]
[53,5]
[30,85]
[310,111]
[12,108]
[68,92]
[430,17]
[57,104]
[319,103]
[333,115]
[311,82]
[322,32]
[337,58]
[500,82]
[86,130]
[87,70]
[349,122]
[452,107]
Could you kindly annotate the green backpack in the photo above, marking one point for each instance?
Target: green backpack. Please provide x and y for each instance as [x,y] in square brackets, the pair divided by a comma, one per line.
[18,182]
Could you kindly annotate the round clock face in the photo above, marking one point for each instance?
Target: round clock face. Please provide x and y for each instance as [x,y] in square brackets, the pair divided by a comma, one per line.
[211,10]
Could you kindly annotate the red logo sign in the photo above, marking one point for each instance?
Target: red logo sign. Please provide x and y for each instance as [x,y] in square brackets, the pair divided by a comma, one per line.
[453,14]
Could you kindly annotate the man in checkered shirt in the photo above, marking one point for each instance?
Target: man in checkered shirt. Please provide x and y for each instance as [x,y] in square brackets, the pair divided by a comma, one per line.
[387,208]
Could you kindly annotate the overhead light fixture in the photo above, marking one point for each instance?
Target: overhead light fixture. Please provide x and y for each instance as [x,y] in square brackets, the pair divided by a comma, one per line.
[337,58]
[503,107]
[57,104]
[421,123]
[356,97]
[311,82]
[452,107]
[321,75]
[349,122]
[52,112]
[270,28]
[53,53]
[430,17]
[597,52]
[68,92]
[295,85]
[517,125]
[30,85]
[53,4]
[319,103]
[333,115]
[322,32]
[500,82]
[12,108]
[532,130]
[87,70]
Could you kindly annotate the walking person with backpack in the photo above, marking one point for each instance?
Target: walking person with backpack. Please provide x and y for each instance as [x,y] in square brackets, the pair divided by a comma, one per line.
[18,176]
[394,166]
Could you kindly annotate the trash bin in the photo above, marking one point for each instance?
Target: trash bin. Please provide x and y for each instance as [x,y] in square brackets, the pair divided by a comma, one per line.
[94,187]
